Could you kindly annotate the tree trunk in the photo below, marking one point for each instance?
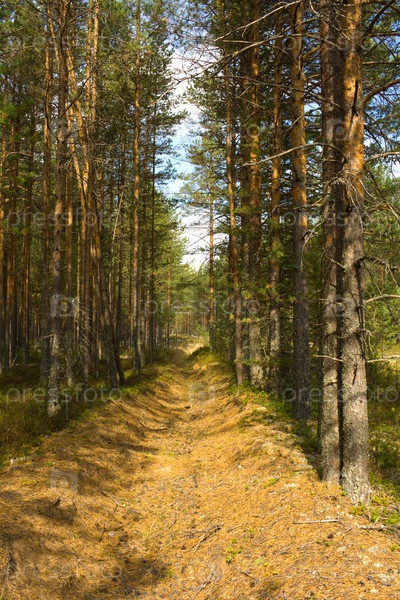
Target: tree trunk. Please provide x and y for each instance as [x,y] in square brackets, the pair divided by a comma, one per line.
[45,304]
[58,307]
[152,300]
[301,351]
[2,236]
[331,117]
[233,241]
[136,202]
[344,417]
[255,231]
[211,319]
[11,315]
[70,317]
[354,472]
[26,251]
[276,173]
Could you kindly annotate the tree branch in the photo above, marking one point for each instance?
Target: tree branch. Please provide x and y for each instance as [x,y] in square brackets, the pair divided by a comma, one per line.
[382,297]
[376,17]
[380,89]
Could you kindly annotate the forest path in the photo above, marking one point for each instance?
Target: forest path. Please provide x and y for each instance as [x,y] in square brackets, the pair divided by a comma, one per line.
[182,491]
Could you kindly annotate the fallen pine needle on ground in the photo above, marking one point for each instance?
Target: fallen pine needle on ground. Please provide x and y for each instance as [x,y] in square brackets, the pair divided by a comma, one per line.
[182,492]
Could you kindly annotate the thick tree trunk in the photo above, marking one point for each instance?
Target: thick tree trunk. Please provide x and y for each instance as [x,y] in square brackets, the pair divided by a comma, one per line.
[301,351]
[233,241]
[243,231]
[2,236]
[136,202]
[45,304]
[11,314]
[168,332]
[344,417]
[354,472]
[255,231]
[57,304]
[331,119]
[152,299]
[120,227]
[26,250]
[211,319]
[9,308]
[70,317]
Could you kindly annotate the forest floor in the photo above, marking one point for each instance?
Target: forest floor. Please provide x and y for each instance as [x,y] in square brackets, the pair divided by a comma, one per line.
[181,490]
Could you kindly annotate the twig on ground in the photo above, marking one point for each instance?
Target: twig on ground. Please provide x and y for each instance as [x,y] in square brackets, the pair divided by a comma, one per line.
[11,566]
[214,487]
[334,520]
[113,499]
[379,527]
[206,535]
[173,523]
[245,573]
[205,583]
[102,533]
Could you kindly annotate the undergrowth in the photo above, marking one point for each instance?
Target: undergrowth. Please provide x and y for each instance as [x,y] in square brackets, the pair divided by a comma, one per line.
[384,422]
[23,409]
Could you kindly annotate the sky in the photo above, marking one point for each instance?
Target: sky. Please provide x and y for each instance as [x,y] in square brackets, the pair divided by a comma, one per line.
[183,68]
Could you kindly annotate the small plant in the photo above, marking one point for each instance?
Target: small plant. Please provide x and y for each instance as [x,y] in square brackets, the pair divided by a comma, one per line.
[375,514]
[380,500]
[358,510]
[170,572]
[231,552]
[393,519]
[271,481]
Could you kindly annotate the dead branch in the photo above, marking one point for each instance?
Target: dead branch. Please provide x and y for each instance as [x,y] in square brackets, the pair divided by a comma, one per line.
[378,527]
[334,520]
[206,535]
[206,582]
[382,297]
[245,573]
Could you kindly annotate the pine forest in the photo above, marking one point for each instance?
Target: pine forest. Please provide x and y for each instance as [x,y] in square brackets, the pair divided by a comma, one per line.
[199,299]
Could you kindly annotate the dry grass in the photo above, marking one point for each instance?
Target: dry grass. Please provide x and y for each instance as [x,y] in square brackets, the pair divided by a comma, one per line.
[183,492]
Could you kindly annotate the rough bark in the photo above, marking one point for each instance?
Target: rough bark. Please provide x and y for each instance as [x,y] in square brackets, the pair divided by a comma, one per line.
[236,294]
[301,352]
[255,230]
[57,308]
[44,308]
[276,173]
[136,202]
[26,249]
[331,66]
[2,238]
[211,319]
[10,316]
[152,287]
[354,471]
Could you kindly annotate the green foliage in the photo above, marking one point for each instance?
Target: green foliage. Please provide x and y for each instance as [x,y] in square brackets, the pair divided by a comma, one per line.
[232,551]
[23,409]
